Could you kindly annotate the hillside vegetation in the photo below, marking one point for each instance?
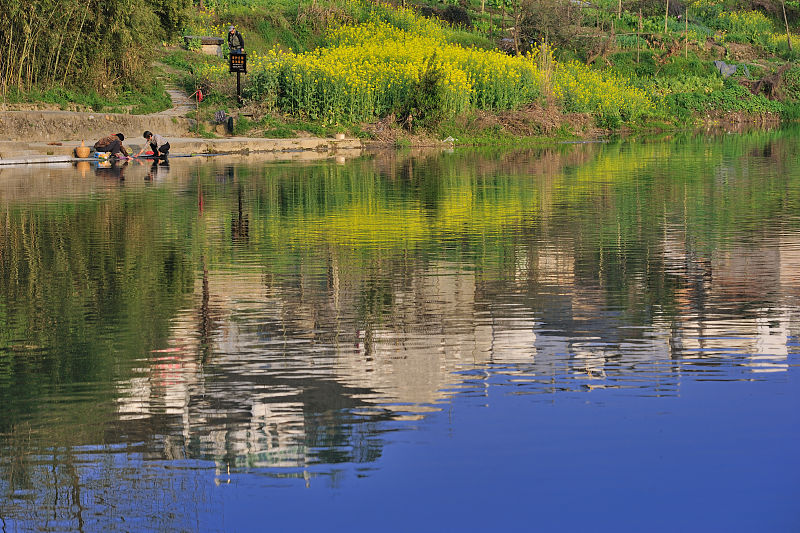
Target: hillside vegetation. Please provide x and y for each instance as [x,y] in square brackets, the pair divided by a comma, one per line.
[479,67]
[91,52]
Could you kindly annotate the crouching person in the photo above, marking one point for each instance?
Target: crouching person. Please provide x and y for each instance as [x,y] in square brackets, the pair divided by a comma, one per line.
[112,144]
[157,144]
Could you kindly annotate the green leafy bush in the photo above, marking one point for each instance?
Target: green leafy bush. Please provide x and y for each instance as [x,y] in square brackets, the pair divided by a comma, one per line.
[792,80]
[745,26]
[426,102]
[791,111]
[732,97]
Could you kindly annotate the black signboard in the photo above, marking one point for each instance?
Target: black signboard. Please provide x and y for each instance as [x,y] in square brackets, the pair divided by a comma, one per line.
[237,63]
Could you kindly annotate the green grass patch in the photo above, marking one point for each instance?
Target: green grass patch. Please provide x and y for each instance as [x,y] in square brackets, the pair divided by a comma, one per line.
[151,99]
[732,97]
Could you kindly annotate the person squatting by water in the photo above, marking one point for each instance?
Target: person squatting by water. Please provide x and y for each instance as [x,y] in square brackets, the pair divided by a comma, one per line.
[158,144]
[112,144]
[235,41]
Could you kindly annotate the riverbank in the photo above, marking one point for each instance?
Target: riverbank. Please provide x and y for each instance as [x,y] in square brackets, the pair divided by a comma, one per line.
[478,90]
[28,137]
[16,152]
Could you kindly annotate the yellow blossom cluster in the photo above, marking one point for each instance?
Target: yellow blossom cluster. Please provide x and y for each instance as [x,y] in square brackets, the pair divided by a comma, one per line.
[210,72]
[581,89]
[202,23]
[776,40]
[372,69]
[705,4]
[751,24]
[377,68]
[215,69]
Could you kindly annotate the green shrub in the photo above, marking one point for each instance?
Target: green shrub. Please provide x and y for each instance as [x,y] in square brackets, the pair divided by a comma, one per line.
[691,66]
[626,65]
[732,97]
[426,101]
[792,80]
[791,111]
[242,125]
[280,132]
[660,87]
[745,26]
[193,45]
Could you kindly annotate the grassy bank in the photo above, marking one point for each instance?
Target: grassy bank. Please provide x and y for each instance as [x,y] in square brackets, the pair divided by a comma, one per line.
[149,99]
[485,71]
[358,66]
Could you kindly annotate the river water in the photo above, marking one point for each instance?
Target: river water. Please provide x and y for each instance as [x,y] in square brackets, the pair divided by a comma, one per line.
[596,335]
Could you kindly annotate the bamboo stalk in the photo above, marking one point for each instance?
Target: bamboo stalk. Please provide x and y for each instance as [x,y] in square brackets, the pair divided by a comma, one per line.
[786,23]
[53,67]
[686,33]
[638,36]
[8,63]
[31,74]
[75,44]
[32,64]
[22,57]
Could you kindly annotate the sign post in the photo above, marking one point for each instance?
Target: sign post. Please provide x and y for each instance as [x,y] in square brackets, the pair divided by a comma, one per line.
[238,63]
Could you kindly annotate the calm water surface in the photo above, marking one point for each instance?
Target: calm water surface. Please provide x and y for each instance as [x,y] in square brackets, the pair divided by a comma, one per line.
[594,336]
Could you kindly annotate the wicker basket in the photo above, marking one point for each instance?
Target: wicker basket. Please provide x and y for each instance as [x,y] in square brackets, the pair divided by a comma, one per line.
[82,151]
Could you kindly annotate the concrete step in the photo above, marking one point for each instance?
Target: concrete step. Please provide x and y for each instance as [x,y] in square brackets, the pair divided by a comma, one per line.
[14,153]
[34,159]
[14,149]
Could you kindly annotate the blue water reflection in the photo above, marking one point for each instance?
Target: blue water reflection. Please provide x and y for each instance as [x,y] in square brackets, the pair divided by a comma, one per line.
[597,336]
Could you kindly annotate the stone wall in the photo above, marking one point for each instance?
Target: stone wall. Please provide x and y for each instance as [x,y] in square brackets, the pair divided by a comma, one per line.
[66,126]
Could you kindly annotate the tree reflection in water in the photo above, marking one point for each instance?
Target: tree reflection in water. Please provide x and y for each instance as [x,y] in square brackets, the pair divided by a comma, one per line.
[281,321]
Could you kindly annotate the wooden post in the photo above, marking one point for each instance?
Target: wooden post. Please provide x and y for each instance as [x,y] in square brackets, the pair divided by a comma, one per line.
[619,10]
[613,33]
[686,33]
[786,23]
[517,18]
[638,36]
[666,16]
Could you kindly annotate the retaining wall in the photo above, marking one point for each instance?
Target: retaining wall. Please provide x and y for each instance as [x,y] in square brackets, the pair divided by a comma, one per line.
[69,126]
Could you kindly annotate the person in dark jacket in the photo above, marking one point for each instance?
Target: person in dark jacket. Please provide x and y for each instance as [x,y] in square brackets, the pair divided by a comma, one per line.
[235,41]
[112,144]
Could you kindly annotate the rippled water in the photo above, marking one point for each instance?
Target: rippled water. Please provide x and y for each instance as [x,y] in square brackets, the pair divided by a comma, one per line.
[589,336]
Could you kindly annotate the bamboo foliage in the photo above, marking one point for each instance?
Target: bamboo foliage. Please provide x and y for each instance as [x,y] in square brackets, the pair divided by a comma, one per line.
[91,44]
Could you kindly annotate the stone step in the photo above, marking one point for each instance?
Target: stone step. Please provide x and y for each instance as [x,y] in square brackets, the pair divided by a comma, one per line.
[34,159]
[11,152]
[14,149]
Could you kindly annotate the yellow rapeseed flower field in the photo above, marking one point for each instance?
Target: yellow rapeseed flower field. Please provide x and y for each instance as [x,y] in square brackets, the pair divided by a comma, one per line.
[371,70]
